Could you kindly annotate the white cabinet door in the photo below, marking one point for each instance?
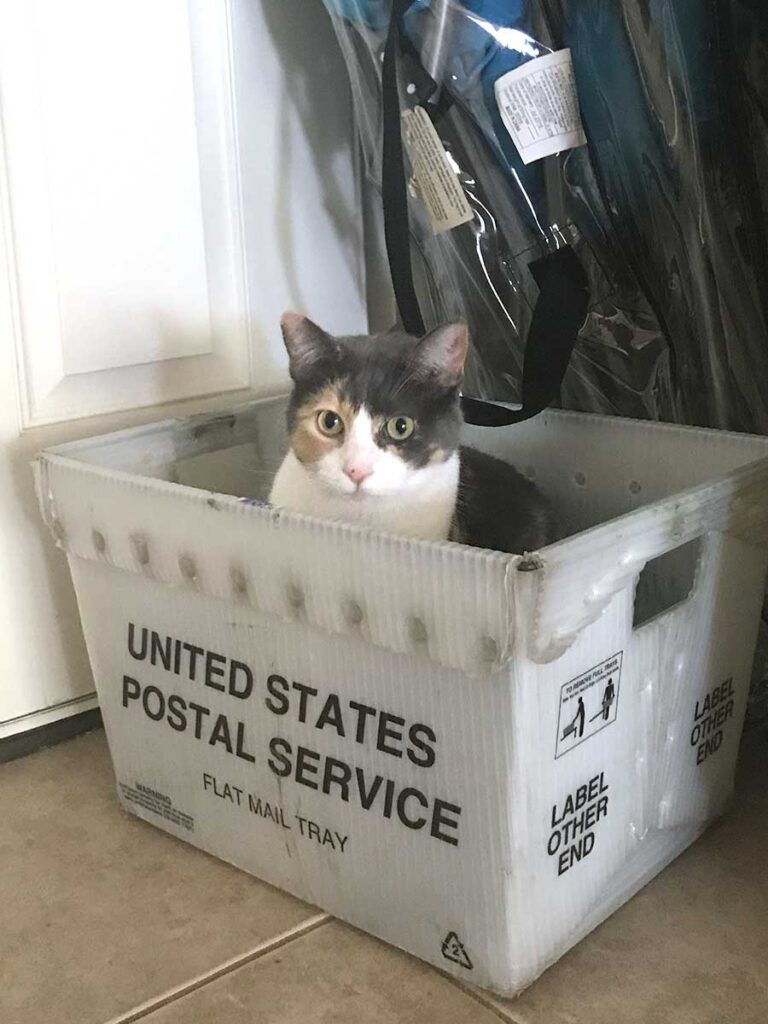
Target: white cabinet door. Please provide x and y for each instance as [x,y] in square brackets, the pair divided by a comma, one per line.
[173,175]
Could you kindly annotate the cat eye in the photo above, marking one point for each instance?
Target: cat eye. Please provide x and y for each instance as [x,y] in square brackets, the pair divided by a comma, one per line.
[329,423]
[400,428]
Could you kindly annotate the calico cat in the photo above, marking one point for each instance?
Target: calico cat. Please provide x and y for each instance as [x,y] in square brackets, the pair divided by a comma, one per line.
[374,425]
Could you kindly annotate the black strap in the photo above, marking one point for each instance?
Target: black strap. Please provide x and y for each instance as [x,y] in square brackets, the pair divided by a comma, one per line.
[394,192]
[563,288]
[557,317]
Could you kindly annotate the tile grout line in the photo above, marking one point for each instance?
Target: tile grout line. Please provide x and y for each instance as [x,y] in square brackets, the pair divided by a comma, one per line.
[485,999]
[143,1010]
[505,1015]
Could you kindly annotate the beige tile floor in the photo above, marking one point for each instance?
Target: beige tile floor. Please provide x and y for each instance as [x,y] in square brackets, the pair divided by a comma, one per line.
[104,918]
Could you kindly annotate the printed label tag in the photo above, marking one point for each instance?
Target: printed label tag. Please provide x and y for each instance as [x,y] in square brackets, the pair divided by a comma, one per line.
[588,704]
[436,181]
[539,107]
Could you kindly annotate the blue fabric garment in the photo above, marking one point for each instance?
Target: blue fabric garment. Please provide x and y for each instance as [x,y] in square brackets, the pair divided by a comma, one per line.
[371,13]
[662,116]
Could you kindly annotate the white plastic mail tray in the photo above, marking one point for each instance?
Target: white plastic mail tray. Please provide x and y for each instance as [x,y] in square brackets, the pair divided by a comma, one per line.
[475,756]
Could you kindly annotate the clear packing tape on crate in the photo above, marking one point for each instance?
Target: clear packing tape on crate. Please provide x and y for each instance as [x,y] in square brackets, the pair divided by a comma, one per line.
[665,207]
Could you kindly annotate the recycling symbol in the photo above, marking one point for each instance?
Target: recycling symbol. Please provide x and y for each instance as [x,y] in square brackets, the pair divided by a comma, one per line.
[453,949]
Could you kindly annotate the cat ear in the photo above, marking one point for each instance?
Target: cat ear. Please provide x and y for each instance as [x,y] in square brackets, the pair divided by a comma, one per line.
[307,344]
[443,351]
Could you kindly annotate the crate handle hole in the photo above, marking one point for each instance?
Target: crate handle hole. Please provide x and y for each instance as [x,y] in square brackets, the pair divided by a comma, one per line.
[417,631]
[188,568]
[353,613]
[666,582]
[141,549]
[239,582]
[296,599]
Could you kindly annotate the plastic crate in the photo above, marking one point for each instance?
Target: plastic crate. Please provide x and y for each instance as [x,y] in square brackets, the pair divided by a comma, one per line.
[474,756]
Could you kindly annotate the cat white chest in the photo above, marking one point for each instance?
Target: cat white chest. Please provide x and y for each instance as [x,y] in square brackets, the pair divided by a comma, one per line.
[424,511]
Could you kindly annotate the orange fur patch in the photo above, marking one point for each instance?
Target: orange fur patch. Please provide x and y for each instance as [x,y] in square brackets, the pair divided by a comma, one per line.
[438,455]
[308,443]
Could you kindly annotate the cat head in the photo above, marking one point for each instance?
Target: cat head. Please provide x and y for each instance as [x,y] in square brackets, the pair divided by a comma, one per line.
[374,417]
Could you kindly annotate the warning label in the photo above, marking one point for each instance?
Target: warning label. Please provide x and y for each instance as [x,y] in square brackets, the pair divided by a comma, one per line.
[538,105]
[588,704]
[436,179]
[158,803]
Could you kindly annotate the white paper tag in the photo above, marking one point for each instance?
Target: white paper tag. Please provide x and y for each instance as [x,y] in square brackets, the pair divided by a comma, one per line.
[436,181]
[539,107]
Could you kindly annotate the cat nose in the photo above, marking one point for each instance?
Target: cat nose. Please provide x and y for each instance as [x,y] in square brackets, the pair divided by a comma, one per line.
[357,472]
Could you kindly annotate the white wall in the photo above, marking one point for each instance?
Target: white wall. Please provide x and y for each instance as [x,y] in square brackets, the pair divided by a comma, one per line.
[174,174]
